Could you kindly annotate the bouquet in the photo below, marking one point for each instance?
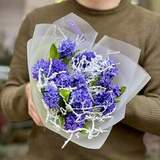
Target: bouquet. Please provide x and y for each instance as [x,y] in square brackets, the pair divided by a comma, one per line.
[80,88]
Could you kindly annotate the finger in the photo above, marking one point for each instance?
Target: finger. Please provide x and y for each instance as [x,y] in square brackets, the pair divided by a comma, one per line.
[28,90]
[36,120]
[35,117]
[31,104]
[32,114]
[34,110]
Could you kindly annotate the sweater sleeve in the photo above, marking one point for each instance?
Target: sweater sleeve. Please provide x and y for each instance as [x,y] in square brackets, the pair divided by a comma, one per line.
[143,111]
[13,98]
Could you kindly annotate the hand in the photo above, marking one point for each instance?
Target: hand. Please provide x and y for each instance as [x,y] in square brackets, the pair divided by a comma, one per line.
[31,107]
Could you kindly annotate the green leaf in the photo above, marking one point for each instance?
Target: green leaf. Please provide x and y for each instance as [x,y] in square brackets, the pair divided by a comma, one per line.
[62,103]
[65,93]
[94,82]
[62,120]
[42,90]
[53,52]
[66,60]
[123,89]
[117,100]
[86,126]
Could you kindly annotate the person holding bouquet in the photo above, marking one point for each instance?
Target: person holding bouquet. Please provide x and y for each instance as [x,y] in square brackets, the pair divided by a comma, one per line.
[118,19]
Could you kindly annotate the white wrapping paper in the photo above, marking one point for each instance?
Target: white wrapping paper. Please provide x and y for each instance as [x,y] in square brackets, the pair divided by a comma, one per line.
[131,74]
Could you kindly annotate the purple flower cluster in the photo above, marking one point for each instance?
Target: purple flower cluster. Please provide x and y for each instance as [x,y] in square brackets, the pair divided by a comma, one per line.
[113,91]
[57,66]
[105,101]
[116,90]
[88,55]
[108,75]
[72,122]
[72,86]
[108,110]
[46,69]
[63,80]
[50,94]
[81,100]
[78,80]
[67,48]
[104,98]
[51,97]
[112,71]
[41,64]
